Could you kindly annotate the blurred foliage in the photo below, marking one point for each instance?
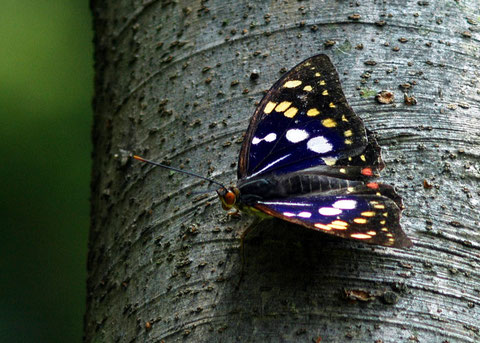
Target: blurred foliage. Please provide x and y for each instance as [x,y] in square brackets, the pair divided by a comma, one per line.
[45,117]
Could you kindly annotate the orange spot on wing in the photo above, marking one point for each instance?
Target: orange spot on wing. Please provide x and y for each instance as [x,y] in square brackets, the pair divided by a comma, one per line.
[372,185]
[367,171]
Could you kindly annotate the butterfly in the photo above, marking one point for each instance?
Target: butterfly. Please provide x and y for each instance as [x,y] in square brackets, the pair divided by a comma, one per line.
[308,159]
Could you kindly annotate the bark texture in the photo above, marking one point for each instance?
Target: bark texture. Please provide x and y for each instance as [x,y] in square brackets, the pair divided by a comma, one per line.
[178,81]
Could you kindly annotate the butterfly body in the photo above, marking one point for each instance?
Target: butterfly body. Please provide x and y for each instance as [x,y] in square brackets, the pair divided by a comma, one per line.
[308,159]
[285,186]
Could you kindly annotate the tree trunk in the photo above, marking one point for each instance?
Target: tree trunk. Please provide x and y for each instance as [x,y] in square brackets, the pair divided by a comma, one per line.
[178,81]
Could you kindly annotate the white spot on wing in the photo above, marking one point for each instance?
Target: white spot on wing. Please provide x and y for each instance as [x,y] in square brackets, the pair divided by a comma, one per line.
[304,214]
[345,204]
[329,211]
[268,138]
[319,145]
[289,214]
[296,135]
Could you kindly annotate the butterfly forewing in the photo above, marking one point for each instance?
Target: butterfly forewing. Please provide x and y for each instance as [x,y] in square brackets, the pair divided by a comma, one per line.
[369,218]
[303,121]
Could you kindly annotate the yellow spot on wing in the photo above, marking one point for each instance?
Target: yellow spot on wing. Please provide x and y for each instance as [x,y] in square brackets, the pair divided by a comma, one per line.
[348,141]
[307,88]
[283,106]
[389,235]
[384,228]
[360,220]
[371,233]
[342,170]
[325,92]
[290,113]
[360,236]
[321,82]
[322,226]
[348,133]
[329,161]
[317,74]
[379,206]
[344,118]
[332,105]
[362,157]
[368,214]
[329,122]
[292,84]
[269,107]
[383,223]
[313,112]
[338,225]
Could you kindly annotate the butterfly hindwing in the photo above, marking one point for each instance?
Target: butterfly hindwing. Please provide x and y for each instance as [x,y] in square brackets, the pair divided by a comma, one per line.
[369,218]
[305,121]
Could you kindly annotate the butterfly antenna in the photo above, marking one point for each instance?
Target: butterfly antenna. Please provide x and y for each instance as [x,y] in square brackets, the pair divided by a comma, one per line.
[205,191]
[178,170]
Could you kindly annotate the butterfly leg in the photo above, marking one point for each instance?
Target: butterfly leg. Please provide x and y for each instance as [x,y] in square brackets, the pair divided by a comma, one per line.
[235,213]
[244,234]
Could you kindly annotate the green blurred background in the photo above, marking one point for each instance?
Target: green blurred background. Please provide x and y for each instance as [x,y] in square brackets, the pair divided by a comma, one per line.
[45,117]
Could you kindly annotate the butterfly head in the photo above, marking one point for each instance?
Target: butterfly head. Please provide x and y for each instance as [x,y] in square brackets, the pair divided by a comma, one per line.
[228,197]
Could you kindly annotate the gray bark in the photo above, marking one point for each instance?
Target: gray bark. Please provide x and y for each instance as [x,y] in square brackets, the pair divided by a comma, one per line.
[173,83]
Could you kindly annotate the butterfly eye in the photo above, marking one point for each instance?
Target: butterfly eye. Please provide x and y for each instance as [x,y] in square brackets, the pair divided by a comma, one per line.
[230,198]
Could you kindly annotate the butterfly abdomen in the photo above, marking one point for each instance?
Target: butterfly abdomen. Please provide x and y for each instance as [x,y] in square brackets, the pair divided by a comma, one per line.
[287,185]
[299,184]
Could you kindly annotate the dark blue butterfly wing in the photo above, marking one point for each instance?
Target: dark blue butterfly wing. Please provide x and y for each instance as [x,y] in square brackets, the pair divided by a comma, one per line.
[305,121]
[370,218]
